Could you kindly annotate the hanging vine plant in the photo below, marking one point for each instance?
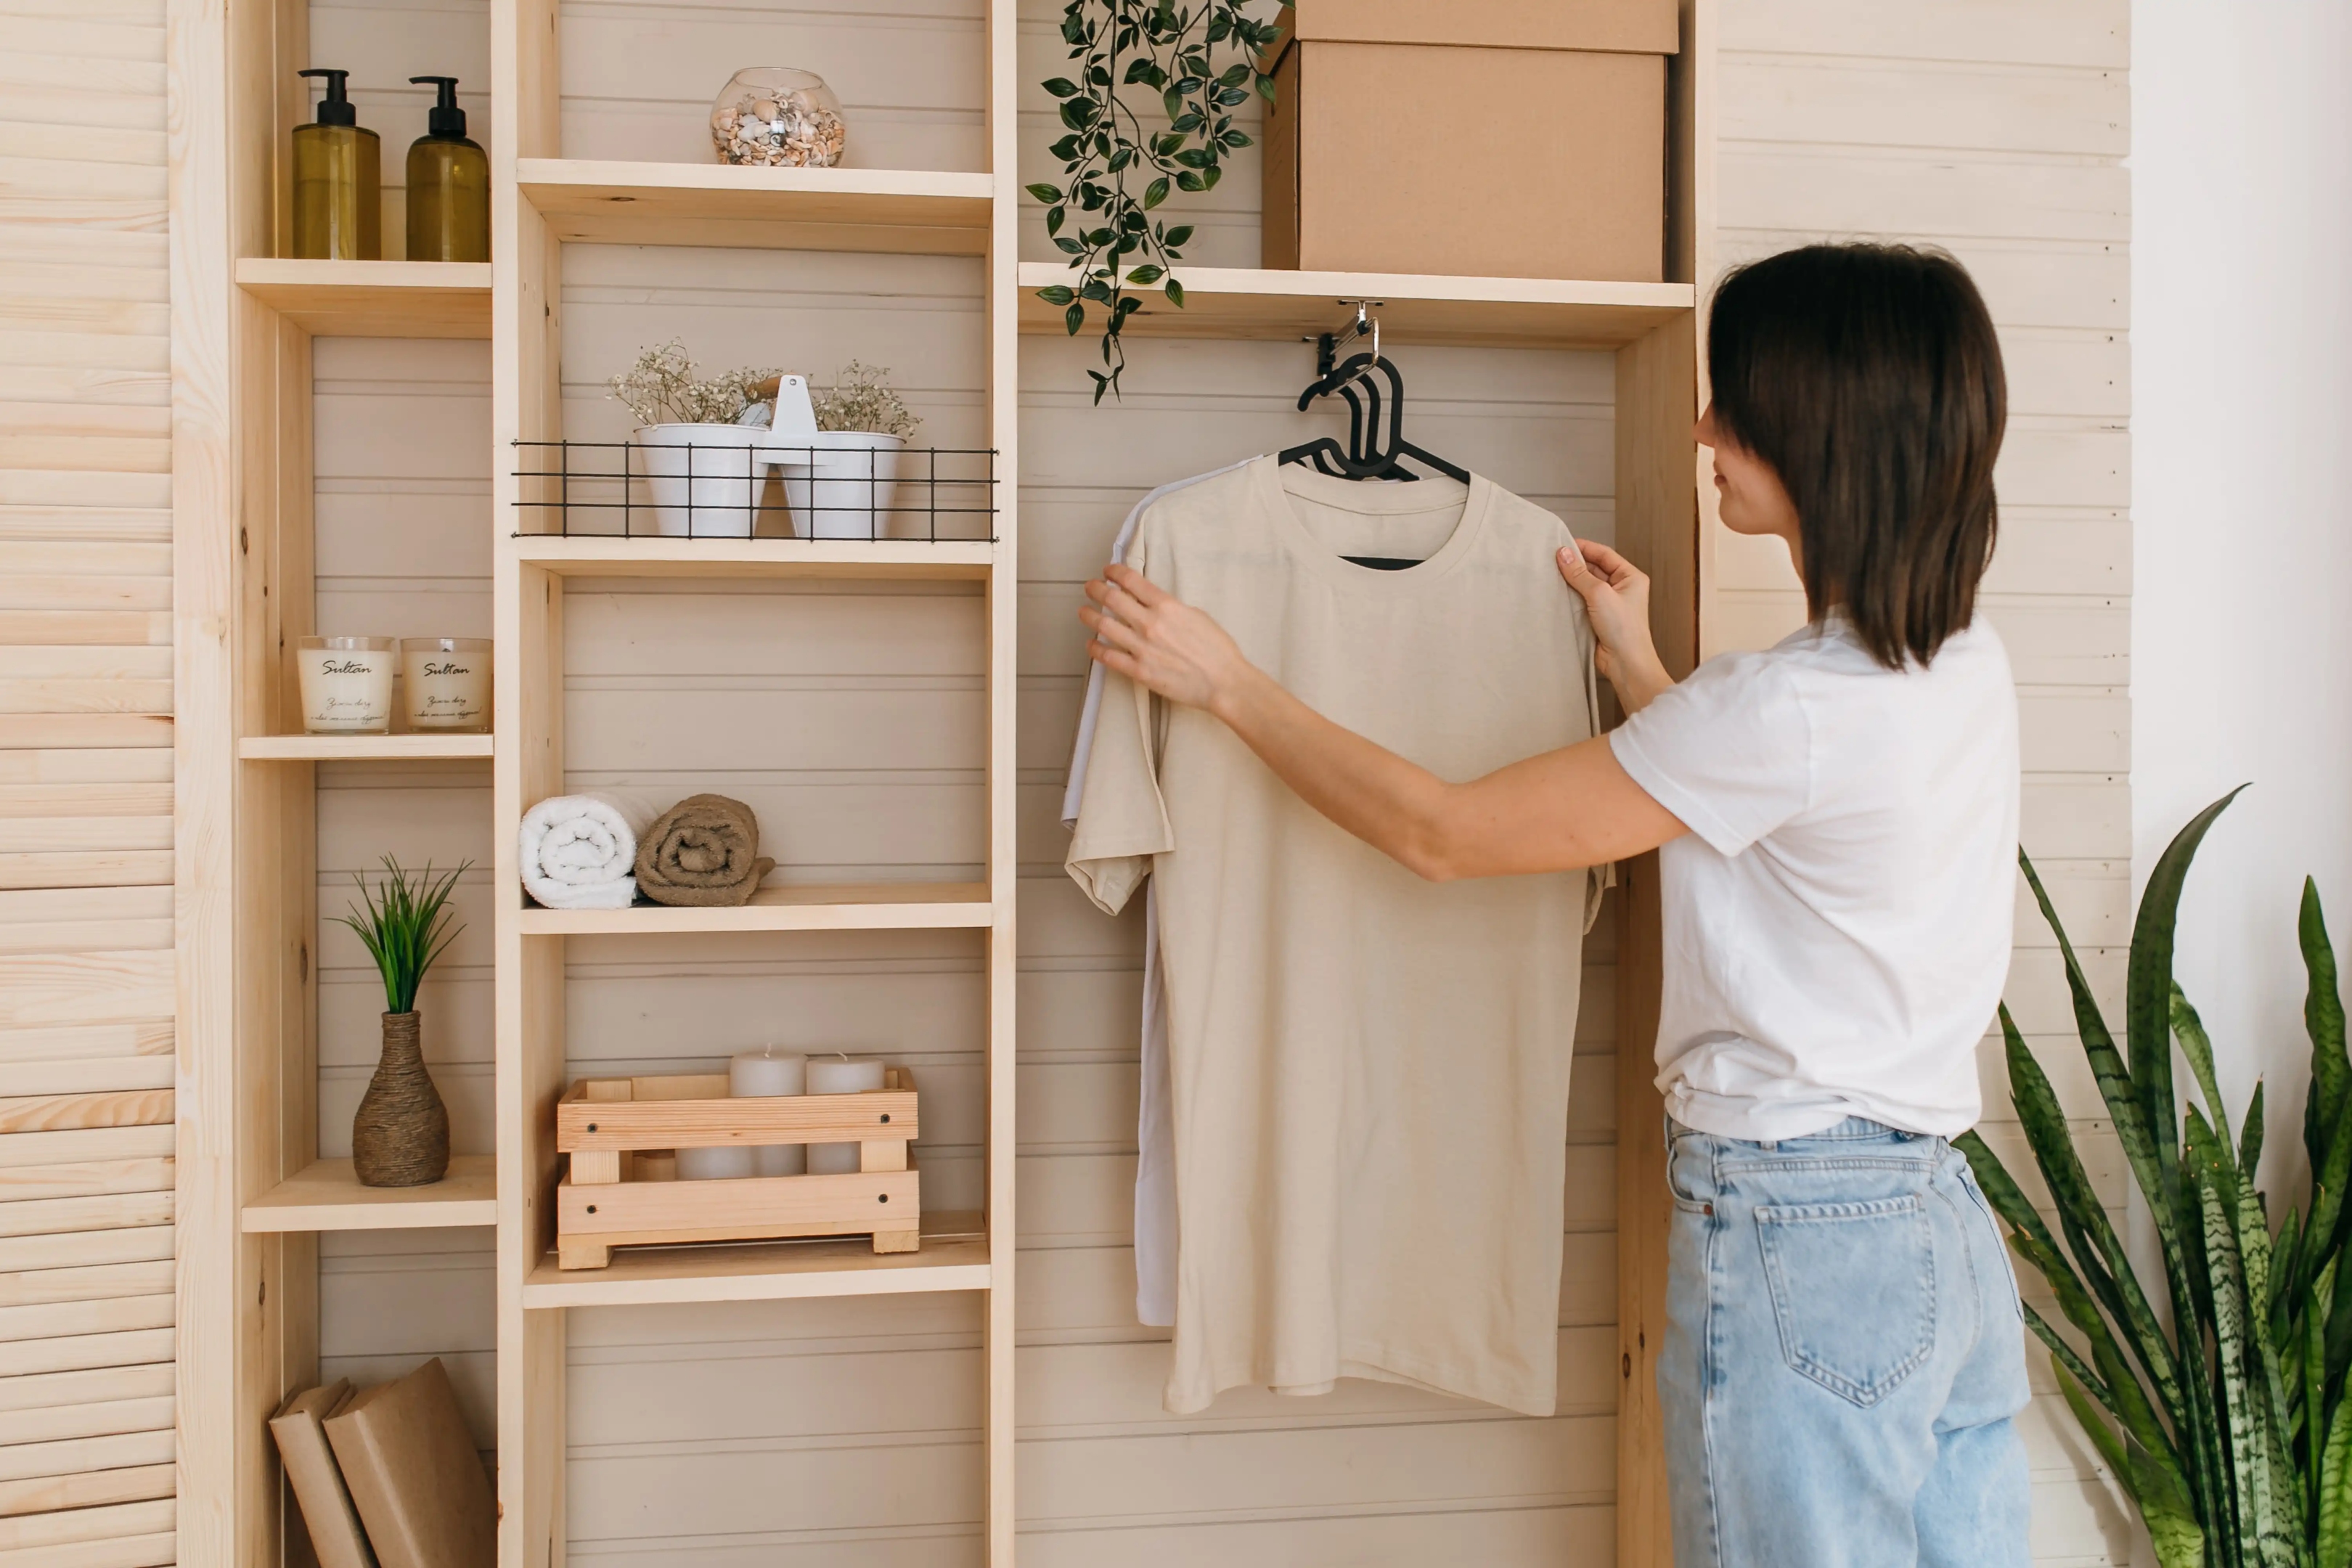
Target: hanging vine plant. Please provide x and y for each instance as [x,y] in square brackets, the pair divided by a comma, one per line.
[1203,62]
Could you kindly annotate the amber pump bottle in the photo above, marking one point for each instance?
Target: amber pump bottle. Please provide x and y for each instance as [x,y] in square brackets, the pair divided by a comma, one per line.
[448,185]
[338,174]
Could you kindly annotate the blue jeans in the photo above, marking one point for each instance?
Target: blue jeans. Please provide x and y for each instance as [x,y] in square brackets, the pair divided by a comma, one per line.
[1844,1354]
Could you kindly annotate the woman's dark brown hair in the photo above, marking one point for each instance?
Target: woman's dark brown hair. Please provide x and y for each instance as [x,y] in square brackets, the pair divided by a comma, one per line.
[1869,378]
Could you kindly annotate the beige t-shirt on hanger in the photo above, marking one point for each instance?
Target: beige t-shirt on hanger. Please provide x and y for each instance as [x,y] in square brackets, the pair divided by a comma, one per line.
[1369,1071]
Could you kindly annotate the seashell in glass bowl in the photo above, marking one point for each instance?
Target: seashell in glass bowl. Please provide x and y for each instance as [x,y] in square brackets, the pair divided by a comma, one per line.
[778,116]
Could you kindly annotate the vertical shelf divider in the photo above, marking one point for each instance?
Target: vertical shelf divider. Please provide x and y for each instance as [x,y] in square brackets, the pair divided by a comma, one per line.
[998,1336]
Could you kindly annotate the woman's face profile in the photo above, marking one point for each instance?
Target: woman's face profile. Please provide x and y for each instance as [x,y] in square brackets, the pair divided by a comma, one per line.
[1752,498]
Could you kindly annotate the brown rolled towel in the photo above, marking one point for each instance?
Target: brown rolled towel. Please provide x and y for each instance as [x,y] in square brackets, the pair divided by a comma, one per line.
[704,852]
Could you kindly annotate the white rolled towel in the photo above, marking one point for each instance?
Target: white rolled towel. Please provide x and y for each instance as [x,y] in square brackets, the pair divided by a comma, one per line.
[580,851]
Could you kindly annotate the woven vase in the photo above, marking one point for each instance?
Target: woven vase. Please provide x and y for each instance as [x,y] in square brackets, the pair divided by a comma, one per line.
[401,1136]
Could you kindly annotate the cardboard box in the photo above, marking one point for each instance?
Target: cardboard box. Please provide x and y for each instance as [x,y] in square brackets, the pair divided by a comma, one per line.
[1482,138]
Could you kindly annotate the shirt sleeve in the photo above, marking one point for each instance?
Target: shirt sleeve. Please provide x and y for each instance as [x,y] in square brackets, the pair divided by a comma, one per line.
[1122,819]
[1728,751]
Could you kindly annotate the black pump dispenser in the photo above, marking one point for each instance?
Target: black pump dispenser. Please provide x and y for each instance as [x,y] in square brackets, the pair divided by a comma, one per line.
[446,120]
[335,109]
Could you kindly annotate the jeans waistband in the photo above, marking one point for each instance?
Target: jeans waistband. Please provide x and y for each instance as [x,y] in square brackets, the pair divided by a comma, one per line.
[1852,1129]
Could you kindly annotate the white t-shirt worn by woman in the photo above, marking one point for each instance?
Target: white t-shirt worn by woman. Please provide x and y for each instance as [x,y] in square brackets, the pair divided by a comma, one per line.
[1837,922]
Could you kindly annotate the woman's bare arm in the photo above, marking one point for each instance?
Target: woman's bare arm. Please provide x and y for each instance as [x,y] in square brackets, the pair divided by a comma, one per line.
[1564,809]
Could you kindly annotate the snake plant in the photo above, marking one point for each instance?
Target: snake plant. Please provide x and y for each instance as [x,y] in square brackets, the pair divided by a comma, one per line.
[2221,1415]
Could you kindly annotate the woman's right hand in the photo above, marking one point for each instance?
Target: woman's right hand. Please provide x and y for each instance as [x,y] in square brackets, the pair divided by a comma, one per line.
[1616,596]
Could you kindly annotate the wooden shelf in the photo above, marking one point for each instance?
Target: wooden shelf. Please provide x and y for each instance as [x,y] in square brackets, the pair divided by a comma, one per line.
[578,557]
[327,1197]
[871,906]
[917,212]
[373,299]
[362,748]
[1508,312]
[954,1256]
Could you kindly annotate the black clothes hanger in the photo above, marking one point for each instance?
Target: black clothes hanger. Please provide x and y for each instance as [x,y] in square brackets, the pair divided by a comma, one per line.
[1367,457]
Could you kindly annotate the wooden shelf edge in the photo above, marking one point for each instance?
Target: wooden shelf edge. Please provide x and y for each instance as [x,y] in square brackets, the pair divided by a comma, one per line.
[1246,302]
[761,1271]
[362,748]
[326,1195]
[552,176]
[591,557]
[873,906]
[373,299]
[912,211]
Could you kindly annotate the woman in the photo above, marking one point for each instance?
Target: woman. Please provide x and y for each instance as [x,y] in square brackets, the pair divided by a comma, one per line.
[1837,821]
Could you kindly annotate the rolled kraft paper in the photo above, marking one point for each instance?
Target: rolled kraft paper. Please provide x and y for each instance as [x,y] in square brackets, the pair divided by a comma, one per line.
[704,853]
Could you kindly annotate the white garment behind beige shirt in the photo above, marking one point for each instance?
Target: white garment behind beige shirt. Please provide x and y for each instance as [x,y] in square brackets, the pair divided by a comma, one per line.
[1369,1071]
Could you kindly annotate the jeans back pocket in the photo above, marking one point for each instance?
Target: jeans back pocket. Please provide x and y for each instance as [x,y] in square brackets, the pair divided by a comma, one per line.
[1853,1291]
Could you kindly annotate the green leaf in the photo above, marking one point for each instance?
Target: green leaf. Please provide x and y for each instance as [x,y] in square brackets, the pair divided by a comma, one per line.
[1175,292]
[1145,275]
[1056,294]
[1047,194]
[2090,1235]
[2315,1372]
[1073,318]
[2114,1078]
[1155,193]
[2250,1140]
[2333,1547]
[1062,87]
[1265,89]
[1054,217]
[2194,1044]
[2147,982]
[2323,1020]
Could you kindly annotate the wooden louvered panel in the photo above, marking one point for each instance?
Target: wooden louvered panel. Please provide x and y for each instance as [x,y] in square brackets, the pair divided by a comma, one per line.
[87,1467]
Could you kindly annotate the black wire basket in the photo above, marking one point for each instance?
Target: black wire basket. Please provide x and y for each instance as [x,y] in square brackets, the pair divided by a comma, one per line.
[833,488]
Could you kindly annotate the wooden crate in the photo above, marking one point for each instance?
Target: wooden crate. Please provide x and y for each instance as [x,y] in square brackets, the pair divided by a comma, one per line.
[621,1134]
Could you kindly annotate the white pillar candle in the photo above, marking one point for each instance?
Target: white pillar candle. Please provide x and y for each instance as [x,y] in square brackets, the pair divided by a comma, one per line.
[714,1164]
[447,682]
[346,684]
[839,1076]
[768,1071]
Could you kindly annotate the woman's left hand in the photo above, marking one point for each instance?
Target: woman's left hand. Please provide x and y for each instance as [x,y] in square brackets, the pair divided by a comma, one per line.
[1157,640]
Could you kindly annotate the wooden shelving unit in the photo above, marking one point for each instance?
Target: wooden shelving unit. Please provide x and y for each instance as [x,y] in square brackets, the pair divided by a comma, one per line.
[258,1311]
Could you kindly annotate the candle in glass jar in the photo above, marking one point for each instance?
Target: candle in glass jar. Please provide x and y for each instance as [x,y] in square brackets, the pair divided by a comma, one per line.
[768,1071]
[447,681]
[346,684]
[839,1076]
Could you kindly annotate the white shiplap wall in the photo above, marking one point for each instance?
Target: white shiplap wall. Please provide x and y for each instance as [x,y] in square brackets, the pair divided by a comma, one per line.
[1997,129]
